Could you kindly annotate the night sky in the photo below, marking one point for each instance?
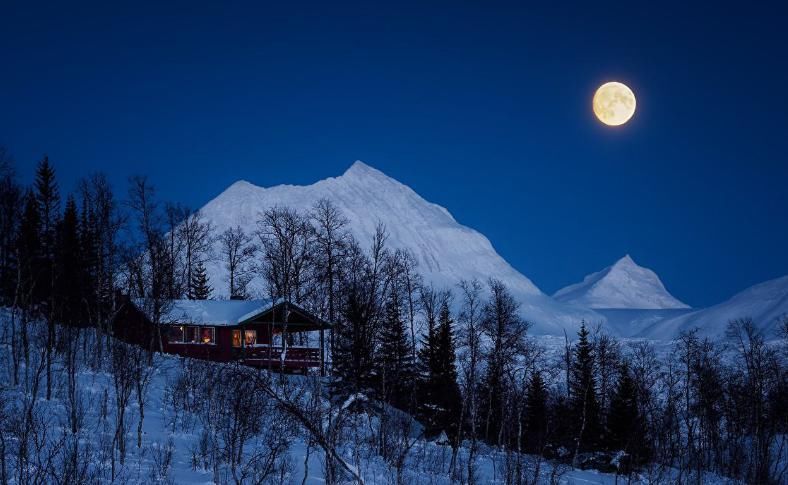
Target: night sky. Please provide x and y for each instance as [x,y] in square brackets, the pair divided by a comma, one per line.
[481,107]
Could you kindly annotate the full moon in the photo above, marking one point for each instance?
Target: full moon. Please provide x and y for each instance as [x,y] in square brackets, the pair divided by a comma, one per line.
[614,103]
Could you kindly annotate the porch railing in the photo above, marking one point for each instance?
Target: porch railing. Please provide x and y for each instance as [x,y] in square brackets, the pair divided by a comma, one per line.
[265,356]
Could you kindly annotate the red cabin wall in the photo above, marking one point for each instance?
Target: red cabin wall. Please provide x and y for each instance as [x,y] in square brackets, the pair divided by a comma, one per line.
[219,351]
[132,326]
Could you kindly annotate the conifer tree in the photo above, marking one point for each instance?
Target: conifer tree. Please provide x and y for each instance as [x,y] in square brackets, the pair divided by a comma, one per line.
[583,395]
[48,199]
[427,364]
[68,266]
[10,211]
[28,249]
[626,426]
[100,223]
[440,397]
[427,352]
[449,397]
[199,288]
[353,354]
[623,411]
[395,367]
[535,414]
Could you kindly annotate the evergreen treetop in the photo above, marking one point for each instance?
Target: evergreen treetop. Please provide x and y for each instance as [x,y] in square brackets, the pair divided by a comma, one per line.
[199,289]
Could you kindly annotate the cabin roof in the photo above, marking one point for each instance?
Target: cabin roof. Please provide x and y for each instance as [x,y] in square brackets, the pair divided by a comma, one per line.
[213,312]
[221,312]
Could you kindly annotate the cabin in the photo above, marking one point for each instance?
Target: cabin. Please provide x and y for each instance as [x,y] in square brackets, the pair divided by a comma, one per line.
[278,336]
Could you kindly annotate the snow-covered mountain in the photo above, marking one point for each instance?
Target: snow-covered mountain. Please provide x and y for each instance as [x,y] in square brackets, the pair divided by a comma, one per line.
[629,299]
[625,284]
[766,303]
[447,251]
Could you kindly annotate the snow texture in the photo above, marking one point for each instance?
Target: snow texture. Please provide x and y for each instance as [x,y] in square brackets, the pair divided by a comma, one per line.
[176,432]
[213,312]
[628,322]
[446,251]
[628,299]
[766,303]
[622,285]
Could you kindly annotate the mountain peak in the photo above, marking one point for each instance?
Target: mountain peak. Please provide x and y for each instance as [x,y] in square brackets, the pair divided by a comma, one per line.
[624,284]
[239,188]
[625,261]
[241,184]
[362,175]
[360,168]
[446,251]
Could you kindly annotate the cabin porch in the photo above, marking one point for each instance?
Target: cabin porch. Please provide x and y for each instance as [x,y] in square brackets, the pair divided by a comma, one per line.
[275,357]
[279,337]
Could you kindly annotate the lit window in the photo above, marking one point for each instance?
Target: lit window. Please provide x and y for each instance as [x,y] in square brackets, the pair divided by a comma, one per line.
[236,338]
[177,334]
[250,337]
[207,335]
[277,338]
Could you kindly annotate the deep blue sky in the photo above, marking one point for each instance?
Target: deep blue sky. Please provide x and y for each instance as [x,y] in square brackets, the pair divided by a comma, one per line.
[483,108]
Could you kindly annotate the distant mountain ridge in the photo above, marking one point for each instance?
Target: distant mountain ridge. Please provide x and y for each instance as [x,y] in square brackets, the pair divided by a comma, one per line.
[765,303]
[446,251]
[622,285]
[631,300]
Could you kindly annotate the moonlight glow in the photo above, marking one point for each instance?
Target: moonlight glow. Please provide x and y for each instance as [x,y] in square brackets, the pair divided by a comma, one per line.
[614,103]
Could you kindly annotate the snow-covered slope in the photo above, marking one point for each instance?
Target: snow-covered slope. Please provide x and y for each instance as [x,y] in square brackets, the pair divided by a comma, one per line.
[630,322]
[622,285]
[447,251]
[766,303]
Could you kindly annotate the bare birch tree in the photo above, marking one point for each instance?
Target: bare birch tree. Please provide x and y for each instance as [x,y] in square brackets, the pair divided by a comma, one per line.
[237,254]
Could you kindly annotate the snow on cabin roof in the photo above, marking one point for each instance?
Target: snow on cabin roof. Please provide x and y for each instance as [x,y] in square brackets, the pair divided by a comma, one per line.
[221,312]
[213,312]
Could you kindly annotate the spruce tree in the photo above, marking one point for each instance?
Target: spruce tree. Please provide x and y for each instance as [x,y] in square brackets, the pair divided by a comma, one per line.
[428,351]
[440,396]
[535,420]
[11,205]
[48,199]
[395,367]
[48,202]
[428,369]
[449,397]
[626,427]
[583,395]
[68,267]
[28,249]
[199,288]
[354,345]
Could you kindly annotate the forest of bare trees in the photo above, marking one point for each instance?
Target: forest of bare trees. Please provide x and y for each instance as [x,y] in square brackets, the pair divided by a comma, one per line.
[454,365]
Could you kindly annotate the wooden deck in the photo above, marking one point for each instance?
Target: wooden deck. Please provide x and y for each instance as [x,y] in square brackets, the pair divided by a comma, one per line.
[294,358]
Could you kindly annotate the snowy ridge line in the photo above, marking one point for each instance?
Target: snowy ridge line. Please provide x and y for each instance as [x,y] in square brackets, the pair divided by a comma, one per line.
[628,299]
[624,284]
[446,251]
